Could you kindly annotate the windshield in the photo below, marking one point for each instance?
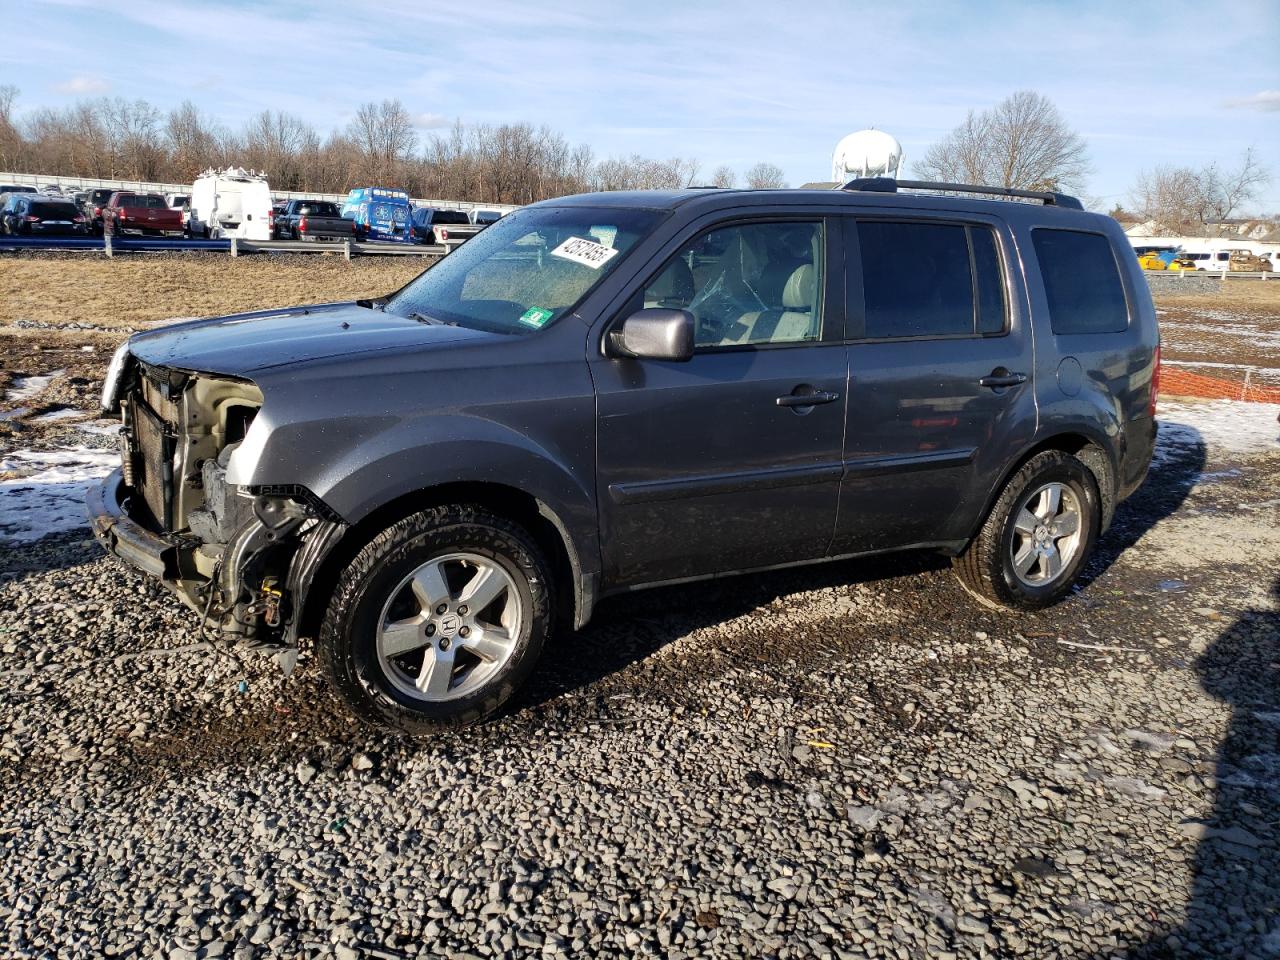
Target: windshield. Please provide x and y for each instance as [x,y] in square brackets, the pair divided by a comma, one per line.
[527,270]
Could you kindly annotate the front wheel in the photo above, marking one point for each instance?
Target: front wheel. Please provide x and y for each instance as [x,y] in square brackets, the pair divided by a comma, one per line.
[438,620]
[1037,537]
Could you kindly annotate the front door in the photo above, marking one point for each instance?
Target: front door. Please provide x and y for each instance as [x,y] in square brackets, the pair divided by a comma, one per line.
[940,390]
[732,460]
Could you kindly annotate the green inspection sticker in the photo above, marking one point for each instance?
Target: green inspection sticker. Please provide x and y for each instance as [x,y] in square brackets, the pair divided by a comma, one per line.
[536,316]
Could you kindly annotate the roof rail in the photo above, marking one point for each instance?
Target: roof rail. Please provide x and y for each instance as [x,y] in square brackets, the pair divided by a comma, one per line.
[889,185]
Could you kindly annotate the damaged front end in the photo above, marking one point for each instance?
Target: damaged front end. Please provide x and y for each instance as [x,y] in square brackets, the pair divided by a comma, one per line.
[241,556]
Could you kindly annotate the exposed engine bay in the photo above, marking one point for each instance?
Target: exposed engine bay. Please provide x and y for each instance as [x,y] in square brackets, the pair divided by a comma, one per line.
[236,551]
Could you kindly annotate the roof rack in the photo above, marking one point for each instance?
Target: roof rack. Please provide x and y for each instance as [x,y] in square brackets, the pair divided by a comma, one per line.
[889,185]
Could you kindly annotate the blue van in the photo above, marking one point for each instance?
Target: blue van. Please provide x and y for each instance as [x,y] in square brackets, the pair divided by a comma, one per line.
[380,213]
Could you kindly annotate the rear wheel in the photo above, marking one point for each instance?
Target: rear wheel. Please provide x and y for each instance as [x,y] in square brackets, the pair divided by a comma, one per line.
[438,621]
[1037,537]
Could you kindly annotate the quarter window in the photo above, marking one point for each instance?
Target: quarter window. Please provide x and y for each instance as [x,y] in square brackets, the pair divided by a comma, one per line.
[747,284]
[1081,282]
[930,280]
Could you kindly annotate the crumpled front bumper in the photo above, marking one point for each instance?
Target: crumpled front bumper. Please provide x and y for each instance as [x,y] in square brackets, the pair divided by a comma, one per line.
[123,536]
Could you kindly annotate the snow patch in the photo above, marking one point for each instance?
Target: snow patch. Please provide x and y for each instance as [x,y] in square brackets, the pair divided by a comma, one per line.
[43,491]
[1227,428]
[24,388]
[66,413]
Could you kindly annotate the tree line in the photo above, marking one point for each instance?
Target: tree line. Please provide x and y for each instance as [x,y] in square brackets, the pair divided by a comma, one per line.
[118,139]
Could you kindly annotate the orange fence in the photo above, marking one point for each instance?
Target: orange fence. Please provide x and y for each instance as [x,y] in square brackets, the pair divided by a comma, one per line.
[1179,382]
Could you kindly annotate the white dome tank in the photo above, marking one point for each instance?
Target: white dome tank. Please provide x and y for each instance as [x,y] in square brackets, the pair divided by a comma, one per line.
[867,153]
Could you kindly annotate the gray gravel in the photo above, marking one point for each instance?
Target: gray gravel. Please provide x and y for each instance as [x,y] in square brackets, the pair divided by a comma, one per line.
[844,761]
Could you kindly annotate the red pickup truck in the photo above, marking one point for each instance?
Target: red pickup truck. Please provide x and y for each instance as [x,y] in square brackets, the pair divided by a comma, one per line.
[140,214]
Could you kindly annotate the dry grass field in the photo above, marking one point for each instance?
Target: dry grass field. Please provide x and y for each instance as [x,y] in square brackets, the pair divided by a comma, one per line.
[131,292]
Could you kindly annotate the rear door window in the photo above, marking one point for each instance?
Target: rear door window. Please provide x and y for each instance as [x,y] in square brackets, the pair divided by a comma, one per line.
[1081,282]
[925,279]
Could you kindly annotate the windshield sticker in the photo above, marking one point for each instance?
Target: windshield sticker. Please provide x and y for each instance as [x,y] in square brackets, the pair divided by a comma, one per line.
[586,252]
[536,316]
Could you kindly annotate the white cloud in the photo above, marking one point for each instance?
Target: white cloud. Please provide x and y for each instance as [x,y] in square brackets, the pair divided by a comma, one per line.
[82,85]
[1265,100]
[430,121]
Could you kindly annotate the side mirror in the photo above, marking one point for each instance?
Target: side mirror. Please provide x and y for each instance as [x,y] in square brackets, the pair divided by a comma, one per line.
[657,333]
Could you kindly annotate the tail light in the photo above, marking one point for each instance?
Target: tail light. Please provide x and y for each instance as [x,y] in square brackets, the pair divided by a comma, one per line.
[354,229]
[302,224]
[77,219]
[1155,384]
[30,218]
[444,234]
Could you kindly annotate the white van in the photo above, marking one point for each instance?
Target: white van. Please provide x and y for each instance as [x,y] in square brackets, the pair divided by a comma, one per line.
[1212,253]
[231,203]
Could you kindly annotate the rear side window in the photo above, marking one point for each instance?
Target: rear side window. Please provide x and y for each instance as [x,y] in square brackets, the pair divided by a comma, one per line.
[1081,282]
[930,280]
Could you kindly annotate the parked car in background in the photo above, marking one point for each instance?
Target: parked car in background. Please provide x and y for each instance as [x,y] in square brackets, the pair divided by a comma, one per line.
[379,213]
[93,205]
[16,188]
[432,225]
[429,482]
[1246,261]
[140,214]
[483,218]
[231,203]
[312,220]
[36,215]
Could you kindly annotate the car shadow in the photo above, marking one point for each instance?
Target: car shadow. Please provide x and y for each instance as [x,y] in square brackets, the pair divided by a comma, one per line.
[1172,477]
[630,628]
[1231,909]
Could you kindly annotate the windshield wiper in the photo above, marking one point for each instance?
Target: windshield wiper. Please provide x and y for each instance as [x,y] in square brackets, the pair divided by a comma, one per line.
[434,321]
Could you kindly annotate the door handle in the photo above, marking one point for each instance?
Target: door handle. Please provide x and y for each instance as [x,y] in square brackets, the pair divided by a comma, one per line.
[808,399]
[1000,377]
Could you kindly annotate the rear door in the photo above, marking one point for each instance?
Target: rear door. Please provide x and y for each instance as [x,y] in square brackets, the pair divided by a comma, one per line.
[940,366]
[731,460]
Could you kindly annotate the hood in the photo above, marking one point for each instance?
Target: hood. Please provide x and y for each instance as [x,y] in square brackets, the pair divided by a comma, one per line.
[242,343]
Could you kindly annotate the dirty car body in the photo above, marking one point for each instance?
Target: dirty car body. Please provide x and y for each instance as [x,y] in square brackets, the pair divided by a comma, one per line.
[664,387]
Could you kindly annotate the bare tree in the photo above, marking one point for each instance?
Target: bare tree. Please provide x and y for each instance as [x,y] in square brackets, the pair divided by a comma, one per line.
[1022,142]
[1191,200]
[765,176]
[1230,189]
[724,177]
[10,139]
[385,134]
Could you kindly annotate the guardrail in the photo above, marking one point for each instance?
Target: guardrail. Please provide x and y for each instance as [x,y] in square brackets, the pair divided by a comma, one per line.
[1218,274]
[234,246]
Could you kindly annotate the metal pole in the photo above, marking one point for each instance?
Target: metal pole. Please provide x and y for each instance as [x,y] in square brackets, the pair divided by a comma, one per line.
[346,249]
[106,243]
[235,247]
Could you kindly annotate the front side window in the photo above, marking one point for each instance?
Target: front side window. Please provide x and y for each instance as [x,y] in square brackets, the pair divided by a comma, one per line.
[1081,282]
[527,270]
[924,279]
[748,284]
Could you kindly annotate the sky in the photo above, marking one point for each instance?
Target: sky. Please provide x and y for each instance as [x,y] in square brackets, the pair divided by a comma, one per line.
[734,83]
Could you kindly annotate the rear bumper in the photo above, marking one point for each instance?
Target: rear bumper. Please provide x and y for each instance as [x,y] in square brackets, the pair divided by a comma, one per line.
[1139,448]
[123,536]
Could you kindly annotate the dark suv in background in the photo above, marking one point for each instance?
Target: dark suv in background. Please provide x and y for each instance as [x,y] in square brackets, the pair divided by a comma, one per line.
[612,391]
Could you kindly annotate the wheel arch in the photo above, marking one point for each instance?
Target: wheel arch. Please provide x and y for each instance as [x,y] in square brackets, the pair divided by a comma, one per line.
[1087,446]
[542,522]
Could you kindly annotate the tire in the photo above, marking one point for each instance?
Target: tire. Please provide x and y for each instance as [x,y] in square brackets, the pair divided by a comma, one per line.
[381,592]
[988,567]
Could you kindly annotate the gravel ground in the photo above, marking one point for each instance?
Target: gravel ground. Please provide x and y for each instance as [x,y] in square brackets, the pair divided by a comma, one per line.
[847,760]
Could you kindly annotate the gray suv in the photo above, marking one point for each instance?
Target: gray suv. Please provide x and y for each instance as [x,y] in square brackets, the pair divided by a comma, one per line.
[613,391]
